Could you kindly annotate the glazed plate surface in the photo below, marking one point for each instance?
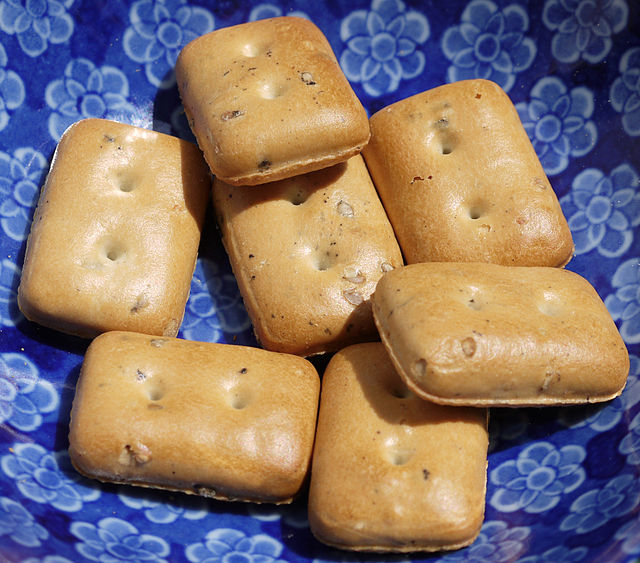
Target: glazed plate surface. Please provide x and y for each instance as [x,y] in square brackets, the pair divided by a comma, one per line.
[563,483]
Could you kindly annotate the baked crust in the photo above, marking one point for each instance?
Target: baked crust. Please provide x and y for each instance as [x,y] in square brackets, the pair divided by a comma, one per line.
[267,100]
[461,181]
[223,421]
[392,472]
[115,236]
[490,335]
[307,253]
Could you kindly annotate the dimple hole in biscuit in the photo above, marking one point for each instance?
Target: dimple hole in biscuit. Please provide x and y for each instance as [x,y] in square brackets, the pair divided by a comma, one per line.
[398,456]
[448,142]
[124,179]
[239,399]
[114,251]
[476,210]
[154,390]
[126,184]
[271,90]
[323,260]
[298,196]
[550,304]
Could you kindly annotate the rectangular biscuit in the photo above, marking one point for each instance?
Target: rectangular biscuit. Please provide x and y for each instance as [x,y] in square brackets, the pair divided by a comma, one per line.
[114,239]
[307,253]
[267,100]
[491,335]
[461,181]
[390,471]
[223,421]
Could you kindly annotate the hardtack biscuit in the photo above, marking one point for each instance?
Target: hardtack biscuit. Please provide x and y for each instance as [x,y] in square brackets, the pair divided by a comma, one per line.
[223,421]
[390,471]
[484,334]
[267,100]
[461,181]
[115,235]
[307,253]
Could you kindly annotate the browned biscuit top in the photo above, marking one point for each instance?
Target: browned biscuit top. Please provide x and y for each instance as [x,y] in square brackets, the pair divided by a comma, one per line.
[392,472]
[114,238]
[230,422]
[484,334]
[461,181]
[267,100]
[307,253]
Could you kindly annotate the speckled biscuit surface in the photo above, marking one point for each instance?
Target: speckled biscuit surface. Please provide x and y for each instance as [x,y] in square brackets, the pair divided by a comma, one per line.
[114,239]
[307,253]
[267,100]
[461,181]
[392,472]
[484,334]
[223,421]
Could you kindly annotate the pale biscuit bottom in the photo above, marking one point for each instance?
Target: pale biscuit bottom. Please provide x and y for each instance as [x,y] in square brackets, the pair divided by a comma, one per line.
[484,334]
[227,422]
[390,471]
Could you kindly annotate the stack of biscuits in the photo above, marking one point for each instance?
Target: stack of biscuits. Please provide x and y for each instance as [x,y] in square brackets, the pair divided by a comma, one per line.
[423,247]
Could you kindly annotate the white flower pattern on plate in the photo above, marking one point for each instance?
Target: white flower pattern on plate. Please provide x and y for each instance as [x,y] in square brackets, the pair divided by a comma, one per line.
[12,92]
[593,509]
[584,27]
[537,478]
[489,43]
[625,91]
[113,539]
[39,477]
[24,396]
[159,30]
[225,544]
[382,46]
[37,23]
[17,523]
[603,210]
[20,176]
[87,91]
[558,122]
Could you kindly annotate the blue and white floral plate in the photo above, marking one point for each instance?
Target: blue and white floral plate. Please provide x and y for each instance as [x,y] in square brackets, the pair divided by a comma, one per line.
[563,483]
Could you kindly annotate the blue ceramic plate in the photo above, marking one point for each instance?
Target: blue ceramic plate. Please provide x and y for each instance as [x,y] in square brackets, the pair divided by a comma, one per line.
[563,483]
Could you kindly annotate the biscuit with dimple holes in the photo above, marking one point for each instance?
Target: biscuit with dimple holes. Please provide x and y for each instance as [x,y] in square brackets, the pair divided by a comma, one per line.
[267,100]
[222,421]
[115,236]
[307,253]
[390,471]
[461,181]
[484,334]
